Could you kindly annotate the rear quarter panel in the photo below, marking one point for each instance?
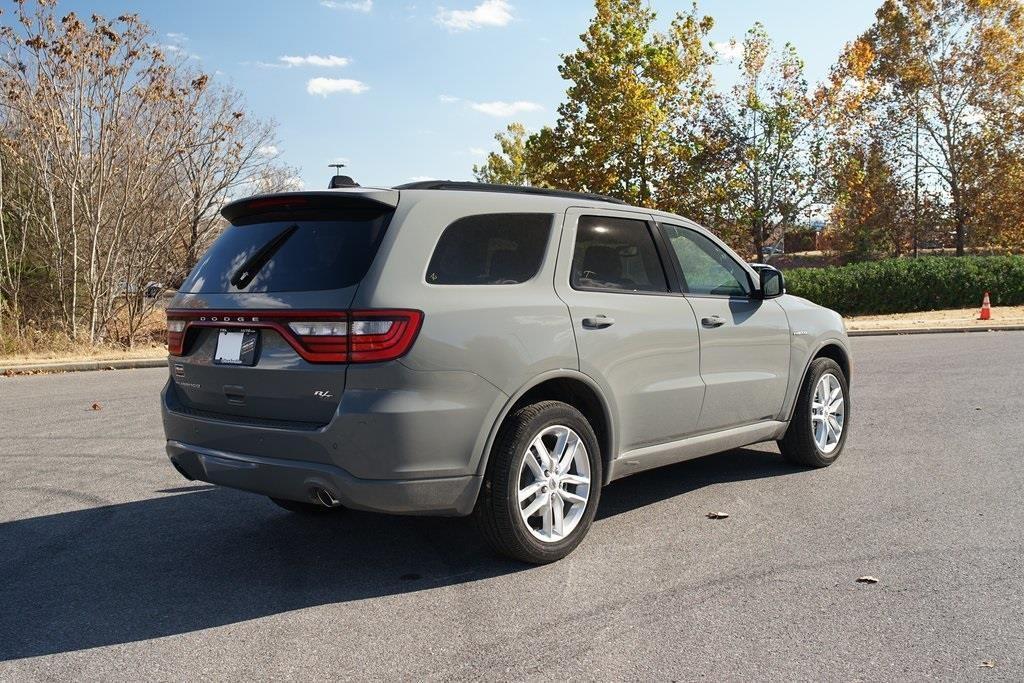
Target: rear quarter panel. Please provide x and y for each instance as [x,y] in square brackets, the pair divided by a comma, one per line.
[507,335]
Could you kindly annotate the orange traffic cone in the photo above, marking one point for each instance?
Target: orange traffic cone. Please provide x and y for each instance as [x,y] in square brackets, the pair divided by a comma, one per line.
[986,309]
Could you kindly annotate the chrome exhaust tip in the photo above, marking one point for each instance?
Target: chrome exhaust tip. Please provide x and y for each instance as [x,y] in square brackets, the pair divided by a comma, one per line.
[326,498]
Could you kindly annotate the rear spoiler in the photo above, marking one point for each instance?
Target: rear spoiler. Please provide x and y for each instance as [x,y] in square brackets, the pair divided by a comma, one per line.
[354,198]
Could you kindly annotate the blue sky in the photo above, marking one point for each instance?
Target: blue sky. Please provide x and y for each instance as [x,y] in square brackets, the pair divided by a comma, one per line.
[418,88]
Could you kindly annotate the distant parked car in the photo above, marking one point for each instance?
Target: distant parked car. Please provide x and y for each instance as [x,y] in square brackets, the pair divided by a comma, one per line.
[465,349]
[773,250]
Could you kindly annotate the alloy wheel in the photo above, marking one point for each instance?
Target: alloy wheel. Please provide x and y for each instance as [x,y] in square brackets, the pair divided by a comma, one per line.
[828,413]
[554,483]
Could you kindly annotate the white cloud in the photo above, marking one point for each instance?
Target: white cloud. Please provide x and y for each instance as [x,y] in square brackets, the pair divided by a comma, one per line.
[420,178]
[179,51]
[268,151]
[729,50]
[327,86]
[354,5]
[505,109]
[487,13]
[315,60]
[177,46]
[478,151]
[448,98]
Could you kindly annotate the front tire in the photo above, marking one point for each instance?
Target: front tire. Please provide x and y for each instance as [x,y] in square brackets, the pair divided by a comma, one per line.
[542,484]
[817,433]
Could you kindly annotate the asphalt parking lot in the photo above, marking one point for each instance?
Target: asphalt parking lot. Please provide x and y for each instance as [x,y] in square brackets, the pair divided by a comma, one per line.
[114,567]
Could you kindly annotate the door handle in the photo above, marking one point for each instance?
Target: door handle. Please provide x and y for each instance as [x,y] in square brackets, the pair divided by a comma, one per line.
[712,321]
[598,322]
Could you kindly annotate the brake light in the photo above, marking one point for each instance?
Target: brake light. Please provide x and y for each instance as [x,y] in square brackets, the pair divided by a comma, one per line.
[318,336]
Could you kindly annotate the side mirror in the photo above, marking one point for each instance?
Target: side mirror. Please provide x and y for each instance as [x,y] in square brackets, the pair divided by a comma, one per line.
[772,283]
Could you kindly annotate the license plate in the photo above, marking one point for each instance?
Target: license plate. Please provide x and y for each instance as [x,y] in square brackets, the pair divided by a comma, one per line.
[236,347]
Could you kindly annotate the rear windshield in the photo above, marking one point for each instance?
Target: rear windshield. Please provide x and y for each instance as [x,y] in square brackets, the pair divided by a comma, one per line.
[307,251]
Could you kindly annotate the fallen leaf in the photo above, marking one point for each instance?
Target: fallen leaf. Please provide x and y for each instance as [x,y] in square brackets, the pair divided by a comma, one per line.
[987,664]
[717,515]
[867,579]
[97,406]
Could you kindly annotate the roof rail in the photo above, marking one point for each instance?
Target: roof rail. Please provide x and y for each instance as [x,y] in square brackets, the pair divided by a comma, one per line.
[515,189]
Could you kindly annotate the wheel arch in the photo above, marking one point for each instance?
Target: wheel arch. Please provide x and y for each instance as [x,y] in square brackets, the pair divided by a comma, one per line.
[829,348]
[837,353]
[571,387]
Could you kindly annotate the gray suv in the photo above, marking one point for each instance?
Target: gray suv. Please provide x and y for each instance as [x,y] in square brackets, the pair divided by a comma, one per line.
[450,348]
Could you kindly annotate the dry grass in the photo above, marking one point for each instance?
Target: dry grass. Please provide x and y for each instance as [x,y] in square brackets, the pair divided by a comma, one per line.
[35,345]
[84,353]
[964,317]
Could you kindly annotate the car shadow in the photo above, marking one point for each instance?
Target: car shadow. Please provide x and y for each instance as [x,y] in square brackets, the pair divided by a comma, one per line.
[653,486]
[204,557]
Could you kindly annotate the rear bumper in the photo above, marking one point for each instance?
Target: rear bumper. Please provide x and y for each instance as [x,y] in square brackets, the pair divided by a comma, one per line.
[297,480]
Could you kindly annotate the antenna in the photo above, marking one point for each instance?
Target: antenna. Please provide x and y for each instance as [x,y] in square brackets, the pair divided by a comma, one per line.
[340,180]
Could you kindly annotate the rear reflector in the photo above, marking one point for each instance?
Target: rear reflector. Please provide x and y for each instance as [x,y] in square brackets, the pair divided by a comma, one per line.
[317,336]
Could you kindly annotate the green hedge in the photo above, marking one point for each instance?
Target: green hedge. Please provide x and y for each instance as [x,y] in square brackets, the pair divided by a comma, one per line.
[905,285]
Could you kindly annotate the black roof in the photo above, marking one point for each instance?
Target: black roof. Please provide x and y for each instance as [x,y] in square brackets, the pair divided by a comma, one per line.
[515,189]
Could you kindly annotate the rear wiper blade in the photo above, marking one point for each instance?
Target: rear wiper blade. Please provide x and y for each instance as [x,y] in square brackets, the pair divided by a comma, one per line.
[248,270]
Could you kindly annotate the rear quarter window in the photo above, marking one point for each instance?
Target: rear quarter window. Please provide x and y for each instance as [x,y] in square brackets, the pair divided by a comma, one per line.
[490,249]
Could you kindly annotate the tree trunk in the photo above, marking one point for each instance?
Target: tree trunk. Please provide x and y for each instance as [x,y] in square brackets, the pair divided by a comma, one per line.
[961,232]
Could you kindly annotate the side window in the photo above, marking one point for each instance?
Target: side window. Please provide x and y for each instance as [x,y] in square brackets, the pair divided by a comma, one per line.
[490,249]
[616,253]
[707,268]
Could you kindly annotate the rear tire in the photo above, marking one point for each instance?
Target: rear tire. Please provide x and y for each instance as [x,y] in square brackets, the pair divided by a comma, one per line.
[811,438]
[542,484]
[309,509]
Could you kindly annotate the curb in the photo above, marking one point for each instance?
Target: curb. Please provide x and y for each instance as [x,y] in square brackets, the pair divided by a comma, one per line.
[82,366]
[931,330]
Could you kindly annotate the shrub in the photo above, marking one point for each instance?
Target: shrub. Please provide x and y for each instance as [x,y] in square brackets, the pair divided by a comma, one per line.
[904,285]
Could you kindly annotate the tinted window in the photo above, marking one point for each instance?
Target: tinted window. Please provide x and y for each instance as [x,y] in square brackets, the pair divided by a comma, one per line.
[707,268]
[490,249]
[616,253]
[313,251]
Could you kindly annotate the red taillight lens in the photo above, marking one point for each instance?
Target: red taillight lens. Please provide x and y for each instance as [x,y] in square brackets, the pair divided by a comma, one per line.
[175,336]
[382,335]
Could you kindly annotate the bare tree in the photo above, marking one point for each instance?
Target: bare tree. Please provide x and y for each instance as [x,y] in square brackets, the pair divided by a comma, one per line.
[129,156]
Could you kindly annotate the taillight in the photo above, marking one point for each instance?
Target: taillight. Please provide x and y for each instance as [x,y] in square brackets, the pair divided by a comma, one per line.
[363,337]
[382,335]
[175,336]
[318,336]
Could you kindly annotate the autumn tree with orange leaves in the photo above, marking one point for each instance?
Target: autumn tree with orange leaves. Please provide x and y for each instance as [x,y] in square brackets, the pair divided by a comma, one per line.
[915,139]
[937,83]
